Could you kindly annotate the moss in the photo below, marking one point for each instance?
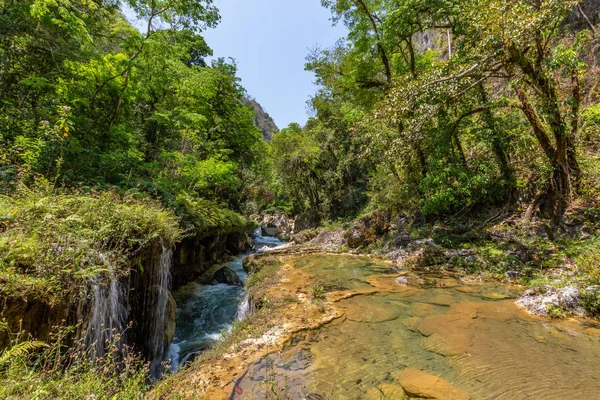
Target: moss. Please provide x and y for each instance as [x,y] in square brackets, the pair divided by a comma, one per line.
[51,243]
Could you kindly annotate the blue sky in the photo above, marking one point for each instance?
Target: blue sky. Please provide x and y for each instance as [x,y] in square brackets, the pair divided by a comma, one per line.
[270,39]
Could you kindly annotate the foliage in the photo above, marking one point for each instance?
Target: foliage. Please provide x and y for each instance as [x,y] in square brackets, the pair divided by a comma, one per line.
[457,104]
[51,243]
[590,301]
[32,369]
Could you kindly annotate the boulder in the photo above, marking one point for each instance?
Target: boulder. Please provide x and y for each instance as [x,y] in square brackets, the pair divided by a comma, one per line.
[543,299]
[367,229]
[268,229]
[248,263]
[329,240]
[417,383]
[228,276]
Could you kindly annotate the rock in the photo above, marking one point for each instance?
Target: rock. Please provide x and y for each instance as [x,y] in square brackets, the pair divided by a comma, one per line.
[366,230]
[386,391]
[402,280]
[170,319]
[268,229]
[541,300]
[417,383]
[228,276]
[392,392]
[283,227]
[248,263]
[329,240]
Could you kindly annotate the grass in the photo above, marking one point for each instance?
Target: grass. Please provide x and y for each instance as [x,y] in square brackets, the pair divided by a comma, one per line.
[50,244]
[35,370]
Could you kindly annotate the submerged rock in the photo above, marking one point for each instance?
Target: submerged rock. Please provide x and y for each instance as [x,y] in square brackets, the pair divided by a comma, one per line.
[542,300]
[417,383]
[228,276]
[386,391]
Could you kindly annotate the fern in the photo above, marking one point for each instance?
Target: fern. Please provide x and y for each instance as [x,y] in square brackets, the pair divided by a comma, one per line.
[21,349]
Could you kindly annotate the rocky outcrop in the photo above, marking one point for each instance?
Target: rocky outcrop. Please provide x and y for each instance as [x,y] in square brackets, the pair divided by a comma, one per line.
[366,230]
[262,120]
[227,276]
[329,240]
[284,227]
[194,256]
[546,299]
[588,12]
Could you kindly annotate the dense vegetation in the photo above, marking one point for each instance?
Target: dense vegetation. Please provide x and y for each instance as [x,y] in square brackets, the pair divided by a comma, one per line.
[437,107]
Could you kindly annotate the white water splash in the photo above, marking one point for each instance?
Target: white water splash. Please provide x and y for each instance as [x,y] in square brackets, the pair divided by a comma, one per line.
[160,285]
[108,314]
[243,308]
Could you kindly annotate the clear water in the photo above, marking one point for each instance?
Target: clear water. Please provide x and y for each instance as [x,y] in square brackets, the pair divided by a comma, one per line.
[471,335]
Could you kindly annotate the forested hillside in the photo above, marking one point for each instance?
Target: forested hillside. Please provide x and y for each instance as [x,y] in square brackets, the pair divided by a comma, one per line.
[437,107]
[90,102]
[262,119]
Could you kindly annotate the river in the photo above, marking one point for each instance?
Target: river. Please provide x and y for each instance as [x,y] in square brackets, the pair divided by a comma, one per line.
[425,335]
[206,311]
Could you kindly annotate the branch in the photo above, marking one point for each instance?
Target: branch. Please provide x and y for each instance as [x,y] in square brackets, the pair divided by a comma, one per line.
[580,9]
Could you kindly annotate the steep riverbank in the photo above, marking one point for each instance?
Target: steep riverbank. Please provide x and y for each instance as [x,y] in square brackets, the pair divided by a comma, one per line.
[340,326]
[89,278]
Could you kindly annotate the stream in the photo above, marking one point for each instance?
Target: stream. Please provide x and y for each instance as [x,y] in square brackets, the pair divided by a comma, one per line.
[426,335]
[205,311]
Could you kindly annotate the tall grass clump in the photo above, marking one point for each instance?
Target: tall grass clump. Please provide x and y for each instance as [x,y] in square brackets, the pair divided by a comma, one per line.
[30,369]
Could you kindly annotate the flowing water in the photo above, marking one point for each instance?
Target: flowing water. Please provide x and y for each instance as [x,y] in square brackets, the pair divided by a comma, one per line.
[108,313]
[470,334]
[159,292]
[204,312]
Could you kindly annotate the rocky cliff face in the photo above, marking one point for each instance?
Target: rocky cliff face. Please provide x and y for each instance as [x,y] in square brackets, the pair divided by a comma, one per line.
[262,120]
[588,12]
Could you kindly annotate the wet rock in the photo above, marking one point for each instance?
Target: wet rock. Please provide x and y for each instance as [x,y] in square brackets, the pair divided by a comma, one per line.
[541,300]
[228,276]
[417,383]
[386,391]
[248,263]
[268,229]
[170,319]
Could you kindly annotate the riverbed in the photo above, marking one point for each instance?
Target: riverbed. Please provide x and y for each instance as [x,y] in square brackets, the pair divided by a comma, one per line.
[426,334]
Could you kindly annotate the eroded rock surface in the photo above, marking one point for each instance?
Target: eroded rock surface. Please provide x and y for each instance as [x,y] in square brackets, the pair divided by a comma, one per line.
[542,300]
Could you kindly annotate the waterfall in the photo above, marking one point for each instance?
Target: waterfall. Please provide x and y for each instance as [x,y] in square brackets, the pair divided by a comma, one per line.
[108,314]
[244,308]
[160,286]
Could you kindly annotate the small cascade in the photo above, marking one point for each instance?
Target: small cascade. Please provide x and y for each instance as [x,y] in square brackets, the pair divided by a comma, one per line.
[244,308]
[108,314]
[159,290]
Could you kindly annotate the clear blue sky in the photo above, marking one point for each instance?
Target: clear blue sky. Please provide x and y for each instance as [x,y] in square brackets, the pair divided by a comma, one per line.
[270,40]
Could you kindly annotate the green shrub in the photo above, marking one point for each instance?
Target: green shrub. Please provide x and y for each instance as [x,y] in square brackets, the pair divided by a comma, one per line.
[590,301]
